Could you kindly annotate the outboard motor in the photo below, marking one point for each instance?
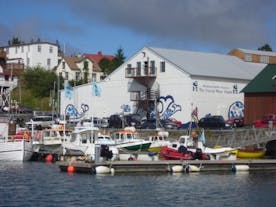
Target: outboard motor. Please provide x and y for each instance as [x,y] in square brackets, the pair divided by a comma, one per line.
[105,152]
[198,154]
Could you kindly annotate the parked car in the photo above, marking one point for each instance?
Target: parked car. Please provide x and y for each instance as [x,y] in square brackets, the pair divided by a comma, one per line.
[151,124]
[115,121]
[213,122]
[266,119]
[133,120]
[236,122]
[177,122]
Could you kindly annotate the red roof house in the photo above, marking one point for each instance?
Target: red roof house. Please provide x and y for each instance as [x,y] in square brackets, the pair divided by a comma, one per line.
[97,57]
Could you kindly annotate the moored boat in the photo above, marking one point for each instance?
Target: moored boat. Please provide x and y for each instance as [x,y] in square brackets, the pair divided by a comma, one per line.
[16,148]
[50,140]
[128,139]
[251,153]
[158,141]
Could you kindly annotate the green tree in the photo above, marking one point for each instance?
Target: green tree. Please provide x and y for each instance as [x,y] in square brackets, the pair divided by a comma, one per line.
[39,81]
[106,65]
[265,47]
[15,41]
[85,71]
[119,58]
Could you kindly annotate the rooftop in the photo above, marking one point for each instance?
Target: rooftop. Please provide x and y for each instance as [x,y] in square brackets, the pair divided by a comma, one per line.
[210,64]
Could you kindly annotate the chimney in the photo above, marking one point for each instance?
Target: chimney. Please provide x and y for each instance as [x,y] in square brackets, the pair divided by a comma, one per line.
[100,53]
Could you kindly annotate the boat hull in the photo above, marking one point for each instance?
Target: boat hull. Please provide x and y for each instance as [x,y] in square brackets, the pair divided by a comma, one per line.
[18,150]
[135,146]
[168,153]
[246,154]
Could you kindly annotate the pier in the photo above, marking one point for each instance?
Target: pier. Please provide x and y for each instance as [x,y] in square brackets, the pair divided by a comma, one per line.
[164,166]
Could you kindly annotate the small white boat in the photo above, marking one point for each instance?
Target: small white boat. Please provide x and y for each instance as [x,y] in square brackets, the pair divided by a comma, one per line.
[14,149]
[128,139]
[50,140]
[84,142]
[158,141]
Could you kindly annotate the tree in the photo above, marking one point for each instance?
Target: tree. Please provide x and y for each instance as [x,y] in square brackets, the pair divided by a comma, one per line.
[265,47]
[15,41]
[119,58]
[39,81]
[106,65]
[85,71]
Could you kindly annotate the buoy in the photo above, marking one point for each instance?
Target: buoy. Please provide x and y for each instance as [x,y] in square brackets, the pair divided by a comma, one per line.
[236,168]
[193,168]
[112,170]
[49,158]
[102,170]
[176,169]
[70,169]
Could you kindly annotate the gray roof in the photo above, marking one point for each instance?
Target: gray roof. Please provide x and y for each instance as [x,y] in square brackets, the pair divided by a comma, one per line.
[210,64]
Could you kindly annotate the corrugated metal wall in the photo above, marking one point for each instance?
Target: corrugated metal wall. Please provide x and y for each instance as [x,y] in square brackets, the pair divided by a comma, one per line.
[256,105]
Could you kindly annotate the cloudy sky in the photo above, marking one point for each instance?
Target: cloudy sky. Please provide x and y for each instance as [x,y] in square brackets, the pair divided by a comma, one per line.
[87,26]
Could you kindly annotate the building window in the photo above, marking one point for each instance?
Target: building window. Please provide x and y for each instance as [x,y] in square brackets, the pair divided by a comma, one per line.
[50,49]
[39,48]
[63,65]
[49,62]
[77,76]
[22,49]
[162,67]
[152,67]
[129,71]
[85,65]
[248,57]
[264,59]
[15,50]
[138,65]
[28,48]
[66,75]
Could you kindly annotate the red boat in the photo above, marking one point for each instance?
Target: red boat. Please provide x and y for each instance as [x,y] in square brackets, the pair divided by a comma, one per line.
[169,153]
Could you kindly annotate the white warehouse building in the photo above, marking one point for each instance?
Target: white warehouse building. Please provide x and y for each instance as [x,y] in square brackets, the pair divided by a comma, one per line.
[176,81]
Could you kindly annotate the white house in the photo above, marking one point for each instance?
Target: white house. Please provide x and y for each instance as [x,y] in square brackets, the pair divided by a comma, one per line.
[176,81]
[74,68]
[42,54]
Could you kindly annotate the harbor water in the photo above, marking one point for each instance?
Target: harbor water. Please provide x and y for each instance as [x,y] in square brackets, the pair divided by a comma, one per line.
[43,184]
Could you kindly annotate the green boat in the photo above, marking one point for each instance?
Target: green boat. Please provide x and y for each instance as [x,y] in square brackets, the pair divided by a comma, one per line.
[129,140]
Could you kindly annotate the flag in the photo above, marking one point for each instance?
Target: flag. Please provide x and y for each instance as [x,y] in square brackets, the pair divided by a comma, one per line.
[96,90]
[202,137]
[68,90]
[195,114]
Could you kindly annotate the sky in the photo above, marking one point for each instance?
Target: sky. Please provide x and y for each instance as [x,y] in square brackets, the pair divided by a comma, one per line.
[89,26]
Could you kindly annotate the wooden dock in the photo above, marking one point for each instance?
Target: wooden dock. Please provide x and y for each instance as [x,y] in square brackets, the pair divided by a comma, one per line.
[163,166]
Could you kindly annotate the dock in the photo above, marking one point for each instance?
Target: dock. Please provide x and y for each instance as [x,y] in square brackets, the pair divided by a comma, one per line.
[165,166]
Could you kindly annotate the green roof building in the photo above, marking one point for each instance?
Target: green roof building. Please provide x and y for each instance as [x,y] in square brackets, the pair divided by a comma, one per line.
[260,95]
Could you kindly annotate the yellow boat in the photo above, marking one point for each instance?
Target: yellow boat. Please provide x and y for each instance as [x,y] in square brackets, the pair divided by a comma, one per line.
[251,153]
[158,141]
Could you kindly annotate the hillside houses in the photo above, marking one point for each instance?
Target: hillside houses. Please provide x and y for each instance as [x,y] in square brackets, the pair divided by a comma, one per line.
[37,54]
